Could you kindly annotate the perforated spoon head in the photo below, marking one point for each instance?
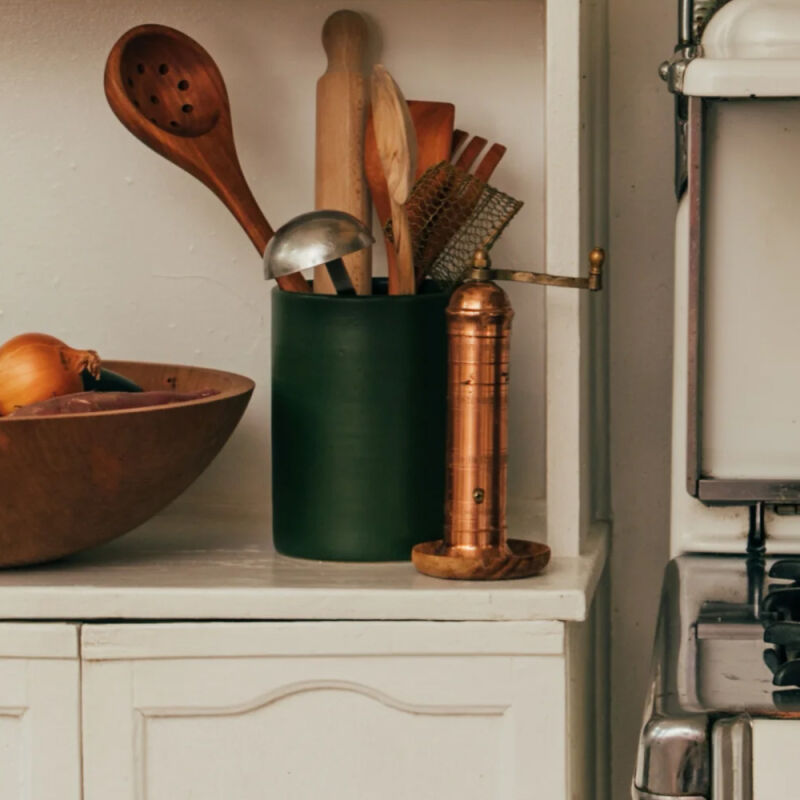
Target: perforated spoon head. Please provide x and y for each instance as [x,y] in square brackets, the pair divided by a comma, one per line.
[168,92]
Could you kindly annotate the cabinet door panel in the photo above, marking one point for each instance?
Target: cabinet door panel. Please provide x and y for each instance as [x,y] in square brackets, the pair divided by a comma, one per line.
[309,726]
[39,712]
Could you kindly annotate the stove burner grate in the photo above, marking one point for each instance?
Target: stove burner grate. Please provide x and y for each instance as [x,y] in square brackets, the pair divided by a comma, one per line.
[780,615]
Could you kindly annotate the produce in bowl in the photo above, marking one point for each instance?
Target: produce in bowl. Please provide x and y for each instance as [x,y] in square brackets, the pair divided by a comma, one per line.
[74,480]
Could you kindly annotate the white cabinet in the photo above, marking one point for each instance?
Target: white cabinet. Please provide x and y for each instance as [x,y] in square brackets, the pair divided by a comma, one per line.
[232,672]
[305,710]
[39,712]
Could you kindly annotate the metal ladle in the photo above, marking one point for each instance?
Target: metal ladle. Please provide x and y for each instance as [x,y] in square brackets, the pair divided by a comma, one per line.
[316,238]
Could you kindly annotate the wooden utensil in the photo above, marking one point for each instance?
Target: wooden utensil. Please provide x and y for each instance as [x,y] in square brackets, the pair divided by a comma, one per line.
[74,481]
[342,100]
[467,157]
[433,127]
[437,141]
[168,92]
[397,148]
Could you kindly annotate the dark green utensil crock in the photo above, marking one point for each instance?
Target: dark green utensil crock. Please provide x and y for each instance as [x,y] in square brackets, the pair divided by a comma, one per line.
[358,423]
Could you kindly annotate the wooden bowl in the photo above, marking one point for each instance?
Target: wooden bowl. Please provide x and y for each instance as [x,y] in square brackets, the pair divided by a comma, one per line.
[73,481]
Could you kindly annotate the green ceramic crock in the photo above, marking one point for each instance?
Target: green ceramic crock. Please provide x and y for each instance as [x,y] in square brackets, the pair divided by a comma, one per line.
[358,423]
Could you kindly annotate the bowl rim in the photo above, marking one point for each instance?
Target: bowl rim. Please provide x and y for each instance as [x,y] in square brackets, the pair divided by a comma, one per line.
[244,385]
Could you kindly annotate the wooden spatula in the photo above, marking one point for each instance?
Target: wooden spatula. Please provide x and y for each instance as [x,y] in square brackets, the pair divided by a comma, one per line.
[342,100]
[397,147]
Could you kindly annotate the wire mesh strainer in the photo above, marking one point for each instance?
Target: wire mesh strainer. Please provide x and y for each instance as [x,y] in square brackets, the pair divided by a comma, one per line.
[451,215]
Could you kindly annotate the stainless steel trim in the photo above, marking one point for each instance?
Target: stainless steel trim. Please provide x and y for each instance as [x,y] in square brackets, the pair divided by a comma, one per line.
[732,755]
[746,490]
[685,22]
[695,199]
[674,756]
[638,794]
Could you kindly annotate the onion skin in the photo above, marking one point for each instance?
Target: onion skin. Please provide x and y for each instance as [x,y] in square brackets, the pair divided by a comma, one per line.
[35,367]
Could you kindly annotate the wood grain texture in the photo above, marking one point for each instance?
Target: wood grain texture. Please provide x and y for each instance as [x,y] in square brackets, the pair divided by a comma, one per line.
[397,148]
[459,137]
[488,164]
[433,126]
[471,152]
[73,481]
[342,100]
[437,141]
[519,559]
[168,92]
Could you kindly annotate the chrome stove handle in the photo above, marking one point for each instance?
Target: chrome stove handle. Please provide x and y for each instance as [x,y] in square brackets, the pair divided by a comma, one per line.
[732,759]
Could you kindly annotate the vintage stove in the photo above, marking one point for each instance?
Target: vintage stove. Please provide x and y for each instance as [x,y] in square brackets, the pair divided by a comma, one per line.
[722,720]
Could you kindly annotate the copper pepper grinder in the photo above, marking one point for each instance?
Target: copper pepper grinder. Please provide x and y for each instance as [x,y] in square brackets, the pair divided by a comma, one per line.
[475,544]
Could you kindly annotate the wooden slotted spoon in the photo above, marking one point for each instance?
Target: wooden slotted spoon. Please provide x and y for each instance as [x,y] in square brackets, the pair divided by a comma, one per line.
[169,93]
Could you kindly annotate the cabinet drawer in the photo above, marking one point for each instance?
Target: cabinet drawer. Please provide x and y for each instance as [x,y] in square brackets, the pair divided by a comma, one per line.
[39,712]
[324,709]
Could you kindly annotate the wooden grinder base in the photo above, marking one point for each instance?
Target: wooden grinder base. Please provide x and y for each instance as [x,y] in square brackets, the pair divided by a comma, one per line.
[518,559]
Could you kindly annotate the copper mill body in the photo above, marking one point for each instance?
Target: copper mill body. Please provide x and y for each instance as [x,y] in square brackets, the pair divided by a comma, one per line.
[479,329]
[475,545]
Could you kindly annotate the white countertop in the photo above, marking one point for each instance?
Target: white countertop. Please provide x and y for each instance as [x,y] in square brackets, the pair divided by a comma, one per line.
[182,566]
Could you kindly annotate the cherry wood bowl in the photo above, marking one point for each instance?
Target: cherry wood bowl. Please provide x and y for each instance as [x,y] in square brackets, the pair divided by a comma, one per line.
[72,481]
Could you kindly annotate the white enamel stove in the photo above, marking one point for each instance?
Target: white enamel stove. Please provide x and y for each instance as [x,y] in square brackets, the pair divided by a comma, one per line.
[722,719]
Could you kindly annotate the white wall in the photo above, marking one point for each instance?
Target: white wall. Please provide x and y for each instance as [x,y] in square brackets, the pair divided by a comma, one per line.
[108,246]
[642,208]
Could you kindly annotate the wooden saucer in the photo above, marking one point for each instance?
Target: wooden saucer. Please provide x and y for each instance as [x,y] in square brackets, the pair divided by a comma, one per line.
[519,559]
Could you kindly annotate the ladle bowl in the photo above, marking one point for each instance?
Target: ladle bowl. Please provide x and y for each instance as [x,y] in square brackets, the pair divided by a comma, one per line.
[312,239]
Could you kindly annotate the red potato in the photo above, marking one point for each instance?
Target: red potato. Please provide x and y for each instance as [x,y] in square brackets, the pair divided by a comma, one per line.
[87,402]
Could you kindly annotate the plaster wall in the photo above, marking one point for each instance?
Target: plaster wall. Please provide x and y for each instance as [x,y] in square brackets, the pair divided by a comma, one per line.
[108,246]
[641,212]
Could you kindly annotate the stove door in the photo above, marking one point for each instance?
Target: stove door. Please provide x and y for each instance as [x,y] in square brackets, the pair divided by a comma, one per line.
[755,759]
[775,749]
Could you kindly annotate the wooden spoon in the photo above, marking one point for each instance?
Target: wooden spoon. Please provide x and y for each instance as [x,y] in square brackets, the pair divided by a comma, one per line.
[397,148]
[433,127]
[168,92]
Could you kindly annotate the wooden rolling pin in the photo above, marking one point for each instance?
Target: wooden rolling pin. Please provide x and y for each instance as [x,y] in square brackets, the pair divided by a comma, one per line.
[342,102]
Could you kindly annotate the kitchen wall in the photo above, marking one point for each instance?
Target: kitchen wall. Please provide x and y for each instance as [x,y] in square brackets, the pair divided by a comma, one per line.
[108,246]
[642,208]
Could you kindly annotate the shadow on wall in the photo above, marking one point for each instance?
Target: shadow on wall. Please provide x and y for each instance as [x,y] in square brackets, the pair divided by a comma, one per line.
[642,210]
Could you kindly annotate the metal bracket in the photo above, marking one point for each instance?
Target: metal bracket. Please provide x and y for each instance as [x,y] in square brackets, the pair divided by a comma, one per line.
[673,70]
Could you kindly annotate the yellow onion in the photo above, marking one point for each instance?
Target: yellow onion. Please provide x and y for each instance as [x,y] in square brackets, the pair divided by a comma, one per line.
[35,367]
